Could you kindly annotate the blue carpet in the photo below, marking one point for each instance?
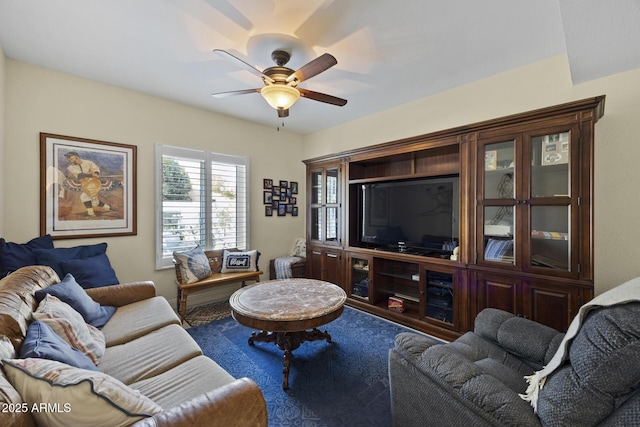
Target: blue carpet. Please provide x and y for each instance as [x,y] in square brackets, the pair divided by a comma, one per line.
[342,383]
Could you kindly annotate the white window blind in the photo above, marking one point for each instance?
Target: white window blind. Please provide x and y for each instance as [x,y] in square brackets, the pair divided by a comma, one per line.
[201,200]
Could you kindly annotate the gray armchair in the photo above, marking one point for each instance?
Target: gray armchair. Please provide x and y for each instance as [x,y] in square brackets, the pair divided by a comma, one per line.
[476,380]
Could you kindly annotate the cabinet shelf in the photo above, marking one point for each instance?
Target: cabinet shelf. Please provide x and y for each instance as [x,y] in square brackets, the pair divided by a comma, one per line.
[397,177]
[410,309]
[403,276]
[444,284]
[499,171]
[407,297]
[549,235]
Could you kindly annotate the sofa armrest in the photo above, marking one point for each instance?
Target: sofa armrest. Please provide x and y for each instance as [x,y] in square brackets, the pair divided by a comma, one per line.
[522,337]
[123,294]
[238,404]
[412,345]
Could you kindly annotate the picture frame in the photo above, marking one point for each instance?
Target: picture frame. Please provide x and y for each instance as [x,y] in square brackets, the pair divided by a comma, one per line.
[284,184]
[490,160]
[282,210]
[267,184]
[294,211]
[555,149]
[294,187]
[268,210]
[88,187]
[267,197]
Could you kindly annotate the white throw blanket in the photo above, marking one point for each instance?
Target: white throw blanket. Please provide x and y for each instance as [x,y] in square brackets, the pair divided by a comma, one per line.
[283,266]
[627,292]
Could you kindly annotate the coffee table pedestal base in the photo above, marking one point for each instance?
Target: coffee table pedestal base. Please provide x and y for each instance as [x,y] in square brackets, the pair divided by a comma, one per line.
[288,341]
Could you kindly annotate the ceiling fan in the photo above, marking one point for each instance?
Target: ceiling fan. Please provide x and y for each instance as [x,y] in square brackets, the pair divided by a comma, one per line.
[280,89]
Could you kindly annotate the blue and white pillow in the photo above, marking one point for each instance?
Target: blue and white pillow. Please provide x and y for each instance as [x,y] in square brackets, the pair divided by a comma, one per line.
[193,264]
[499,250]
[240,261]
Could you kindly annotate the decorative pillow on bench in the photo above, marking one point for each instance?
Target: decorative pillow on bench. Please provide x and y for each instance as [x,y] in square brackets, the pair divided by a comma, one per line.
[240,261]
[193,264]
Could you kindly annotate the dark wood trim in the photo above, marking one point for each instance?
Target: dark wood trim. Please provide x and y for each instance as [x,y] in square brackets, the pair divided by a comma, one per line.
[427,140]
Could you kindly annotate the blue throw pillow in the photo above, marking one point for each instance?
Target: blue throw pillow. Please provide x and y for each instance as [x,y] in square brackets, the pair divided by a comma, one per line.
[71,292]
[91,272]
[54,257]
[43,343]
[17,255]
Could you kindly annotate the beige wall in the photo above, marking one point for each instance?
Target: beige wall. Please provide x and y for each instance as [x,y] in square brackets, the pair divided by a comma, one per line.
[546,83]
[42,100]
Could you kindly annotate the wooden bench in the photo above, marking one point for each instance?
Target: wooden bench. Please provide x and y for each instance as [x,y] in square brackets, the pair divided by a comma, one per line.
[216,279]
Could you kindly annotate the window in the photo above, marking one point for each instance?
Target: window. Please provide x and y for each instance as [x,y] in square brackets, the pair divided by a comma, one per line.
[201,199]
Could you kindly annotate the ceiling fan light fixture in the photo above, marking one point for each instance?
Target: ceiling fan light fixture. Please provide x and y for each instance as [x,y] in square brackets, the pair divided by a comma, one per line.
[280,96]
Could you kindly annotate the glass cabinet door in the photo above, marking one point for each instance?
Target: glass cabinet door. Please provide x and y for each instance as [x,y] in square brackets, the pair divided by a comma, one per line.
[550,237]
[499,198]
[316,187]
[332,206]
[324,206]
[550,160]
[439,296]
[332,186]
[526,207]
[316,223]
[359,276]
[499,168]
[316,218]
[550,199]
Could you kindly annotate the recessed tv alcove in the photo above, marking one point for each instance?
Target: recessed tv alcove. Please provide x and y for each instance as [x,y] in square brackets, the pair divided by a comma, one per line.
[415,216]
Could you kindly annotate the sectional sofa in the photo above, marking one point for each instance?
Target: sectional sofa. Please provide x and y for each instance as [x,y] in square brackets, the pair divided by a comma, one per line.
[494,375]
[145,368]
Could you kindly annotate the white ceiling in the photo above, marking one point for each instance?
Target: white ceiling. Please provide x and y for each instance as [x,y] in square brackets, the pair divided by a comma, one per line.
[389,52]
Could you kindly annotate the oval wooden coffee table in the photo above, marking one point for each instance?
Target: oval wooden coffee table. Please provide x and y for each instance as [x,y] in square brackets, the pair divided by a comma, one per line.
[284,311]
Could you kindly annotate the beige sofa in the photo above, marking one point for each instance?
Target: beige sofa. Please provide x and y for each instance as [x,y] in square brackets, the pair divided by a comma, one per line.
[146,349]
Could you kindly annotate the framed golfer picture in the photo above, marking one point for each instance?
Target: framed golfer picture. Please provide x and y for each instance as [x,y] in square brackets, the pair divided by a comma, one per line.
[87,187]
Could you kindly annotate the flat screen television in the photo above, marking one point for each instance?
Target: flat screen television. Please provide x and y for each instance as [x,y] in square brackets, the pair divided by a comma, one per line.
[418,216]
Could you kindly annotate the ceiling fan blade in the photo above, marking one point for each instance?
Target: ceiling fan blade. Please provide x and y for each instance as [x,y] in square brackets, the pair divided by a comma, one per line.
[246,65]
[234,93]
[313,68]
[322,97]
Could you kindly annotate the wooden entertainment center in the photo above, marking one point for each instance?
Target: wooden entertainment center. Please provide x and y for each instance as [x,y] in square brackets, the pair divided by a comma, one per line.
[523,212]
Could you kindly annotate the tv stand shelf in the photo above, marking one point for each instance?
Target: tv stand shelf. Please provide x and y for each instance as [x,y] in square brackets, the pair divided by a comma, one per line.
[427,289]
[413,161]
